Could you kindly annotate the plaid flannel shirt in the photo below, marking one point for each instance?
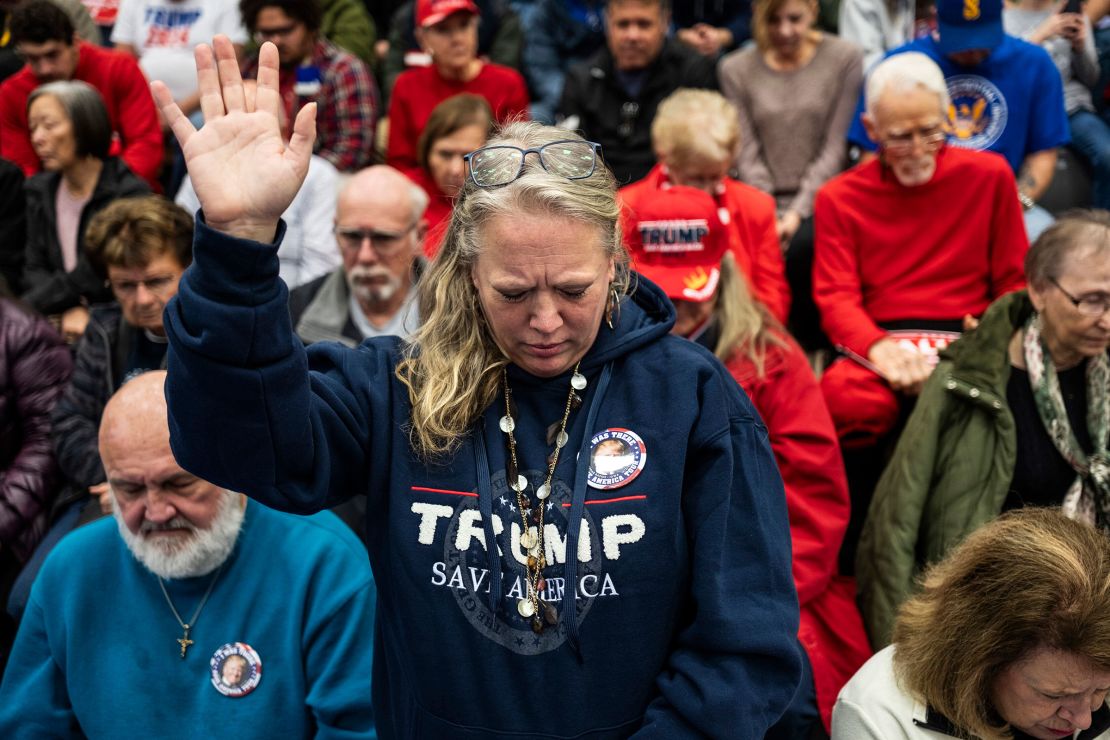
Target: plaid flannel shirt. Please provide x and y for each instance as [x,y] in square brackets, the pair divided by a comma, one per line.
[347,105]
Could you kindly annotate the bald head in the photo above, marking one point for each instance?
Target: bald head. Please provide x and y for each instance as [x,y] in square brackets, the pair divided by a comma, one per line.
[136,413]
[380,190]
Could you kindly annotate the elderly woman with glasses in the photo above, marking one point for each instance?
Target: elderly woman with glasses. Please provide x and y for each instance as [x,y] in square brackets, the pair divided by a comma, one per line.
[1017,413]
[574,518]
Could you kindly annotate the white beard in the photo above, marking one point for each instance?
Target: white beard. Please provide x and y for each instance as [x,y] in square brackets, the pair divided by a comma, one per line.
[374,293]
[200,553]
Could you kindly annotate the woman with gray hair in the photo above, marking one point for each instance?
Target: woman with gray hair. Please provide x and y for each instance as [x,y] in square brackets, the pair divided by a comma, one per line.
[1007,639]
[71,134]
[574,518]
[1017,413]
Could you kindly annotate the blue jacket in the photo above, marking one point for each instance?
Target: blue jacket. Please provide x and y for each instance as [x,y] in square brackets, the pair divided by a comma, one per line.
[97,656]
[677,609]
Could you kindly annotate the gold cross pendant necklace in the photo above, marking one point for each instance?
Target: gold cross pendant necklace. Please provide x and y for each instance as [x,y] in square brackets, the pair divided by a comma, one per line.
[184,640]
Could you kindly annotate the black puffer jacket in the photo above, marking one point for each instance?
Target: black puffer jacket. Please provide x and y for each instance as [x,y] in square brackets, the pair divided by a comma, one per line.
[47,286]
[34,368]
[101,358]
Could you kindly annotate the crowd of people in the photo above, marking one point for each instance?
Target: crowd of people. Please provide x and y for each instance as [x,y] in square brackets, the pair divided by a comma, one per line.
[555,368]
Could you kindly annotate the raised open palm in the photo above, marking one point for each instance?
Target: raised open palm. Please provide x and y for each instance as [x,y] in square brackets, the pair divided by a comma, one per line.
[244,175]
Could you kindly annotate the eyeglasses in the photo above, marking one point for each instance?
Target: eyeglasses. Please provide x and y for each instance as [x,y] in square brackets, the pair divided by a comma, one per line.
[493,166]
[265,34]
[159,285]
[902,143]
[384,243]
[1090,304]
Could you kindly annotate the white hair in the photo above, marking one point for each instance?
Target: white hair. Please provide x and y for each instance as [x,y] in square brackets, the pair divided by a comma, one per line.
[903,72]
[204,551]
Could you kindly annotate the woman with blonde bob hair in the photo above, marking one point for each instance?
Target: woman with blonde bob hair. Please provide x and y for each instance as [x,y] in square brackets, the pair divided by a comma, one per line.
[529,582]
[697,270]
[1008,638]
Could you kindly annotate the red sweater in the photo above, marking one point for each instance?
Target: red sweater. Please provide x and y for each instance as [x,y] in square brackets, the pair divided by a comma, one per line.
[803,440]
[420,89]
[126,95]
[438,213]
[884,252]
[754,243]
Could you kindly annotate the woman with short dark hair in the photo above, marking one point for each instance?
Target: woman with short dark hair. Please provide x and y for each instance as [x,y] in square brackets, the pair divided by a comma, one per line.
[71,135]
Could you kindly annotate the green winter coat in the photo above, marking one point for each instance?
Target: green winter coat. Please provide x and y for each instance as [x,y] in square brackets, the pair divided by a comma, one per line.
[951,470]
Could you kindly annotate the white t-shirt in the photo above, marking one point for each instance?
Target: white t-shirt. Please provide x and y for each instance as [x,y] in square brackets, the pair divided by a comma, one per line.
[164,32]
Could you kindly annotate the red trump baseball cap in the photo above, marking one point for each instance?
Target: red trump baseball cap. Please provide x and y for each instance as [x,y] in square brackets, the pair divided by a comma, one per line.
[431,12]
[676,240]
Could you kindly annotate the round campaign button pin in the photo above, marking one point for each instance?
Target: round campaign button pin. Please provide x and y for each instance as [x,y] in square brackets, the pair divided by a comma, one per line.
[616,457]
[236,669]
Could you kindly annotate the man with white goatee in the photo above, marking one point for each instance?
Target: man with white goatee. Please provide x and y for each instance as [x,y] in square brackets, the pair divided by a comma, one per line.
[193,607]
[379,231]
[906,246]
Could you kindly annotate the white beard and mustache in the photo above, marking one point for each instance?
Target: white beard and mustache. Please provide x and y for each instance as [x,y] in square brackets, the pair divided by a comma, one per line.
[378,292]
[197,554]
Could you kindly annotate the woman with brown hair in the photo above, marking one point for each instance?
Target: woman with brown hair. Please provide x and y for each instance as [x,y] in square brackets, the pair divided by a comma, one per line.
[457,126]
[1008,639]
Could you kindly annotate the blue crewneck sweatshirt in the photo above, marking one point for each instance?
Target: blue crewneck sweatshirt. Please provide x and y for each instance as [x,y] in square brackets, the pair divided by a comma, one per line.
[676,603]
[96,654]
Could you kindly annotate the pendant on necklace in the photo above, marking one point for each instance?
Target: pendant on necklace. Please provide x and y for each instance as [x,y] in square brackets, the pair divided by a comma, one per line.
[528,539]
[184,641]
[521,484]
[578,381]
[550,615]
[525,609]
[543,491]
[507,424]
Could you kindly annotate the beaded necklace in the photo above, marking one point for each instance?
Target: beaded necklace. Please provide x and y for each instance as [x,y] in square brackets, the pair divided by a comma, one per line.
[540,613]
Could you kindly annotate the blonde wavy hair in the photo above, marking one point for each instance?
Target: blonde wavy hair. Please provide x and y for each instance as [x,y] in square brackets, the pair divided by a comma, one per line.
[452,365]
[743,324]
[1031,578]
[695,127]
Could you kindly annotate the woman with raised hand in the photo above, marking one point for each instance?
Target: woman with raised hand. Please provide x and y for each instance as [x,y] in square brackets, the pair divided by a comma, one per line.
[531,582]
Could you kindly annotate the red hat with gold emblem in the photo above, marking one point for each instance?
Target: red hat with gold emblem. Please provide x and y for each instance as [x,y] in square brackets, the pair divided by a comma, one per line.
[676,240]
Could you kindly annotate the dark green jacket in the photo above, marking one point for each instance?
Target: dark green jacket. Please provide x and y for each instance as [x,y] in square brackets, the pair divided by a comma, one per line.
[951,470]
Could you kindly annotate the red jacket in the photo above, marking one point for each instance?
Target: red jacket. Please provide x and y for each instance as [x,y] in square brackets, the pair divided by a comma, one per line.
[750,215]
[884,252]
[126,96]
[803,439]
[419,90]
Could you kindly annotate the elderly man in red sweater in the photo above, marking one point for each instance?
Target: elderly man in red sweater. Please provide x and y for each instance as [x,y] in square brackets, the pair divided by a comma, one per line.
[43,35]
[907,245]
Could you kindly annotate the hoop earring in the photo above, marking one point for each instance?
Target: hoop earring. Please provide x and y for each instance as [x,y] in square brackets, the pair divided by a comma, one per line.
[614,301]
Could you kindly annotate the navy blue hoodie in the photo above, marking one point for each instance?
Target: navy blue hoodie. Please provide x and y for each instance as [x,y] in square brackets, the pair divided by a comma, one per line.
[677,608]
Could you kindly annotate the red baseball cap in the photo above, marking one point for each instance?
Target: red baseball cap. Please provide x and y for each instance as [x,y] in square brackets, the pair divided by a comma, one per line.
[431,12]
[676,239]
